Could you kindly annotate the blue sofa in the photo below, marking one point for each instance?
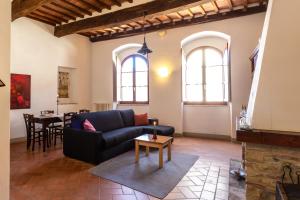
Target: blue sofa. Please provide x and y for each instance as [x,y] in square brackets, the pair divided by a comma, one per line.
[115,133]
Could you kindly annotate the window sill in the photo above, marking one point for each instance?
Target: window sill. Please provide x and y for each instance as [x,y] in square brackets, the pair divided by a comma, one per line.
[133,103]
[210,104]
[67,103]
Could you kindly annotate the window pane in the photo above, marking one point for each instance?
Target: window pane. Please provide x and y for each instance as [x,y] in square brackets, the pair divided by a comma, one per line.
[127,79]
[140,64]
[213,57]
[194,68]
[214,92]
[141,78]
[226,92]
[128,65]
[141,94]
[194,93]
[226,74]
[127,93]
[214,75]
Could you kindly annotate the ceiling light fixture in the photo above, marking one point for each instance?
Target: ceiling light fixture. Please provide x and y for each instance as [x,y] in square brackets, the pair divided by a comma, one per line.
[145,49]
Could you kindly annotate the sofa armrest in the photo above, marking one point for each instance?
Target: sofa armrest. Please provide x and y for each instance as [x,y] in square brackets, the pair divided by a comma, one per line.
[83,145]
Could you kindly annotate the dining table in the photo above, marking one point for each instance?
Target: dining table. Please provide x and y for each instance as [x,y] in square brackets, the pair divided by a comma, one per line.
[45,121]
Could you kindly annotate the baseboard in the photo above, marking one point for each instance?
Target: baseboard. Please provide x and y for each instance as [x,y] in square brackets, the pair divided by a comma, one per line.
[233,140]
[178,135]
[18,140]
[207,136]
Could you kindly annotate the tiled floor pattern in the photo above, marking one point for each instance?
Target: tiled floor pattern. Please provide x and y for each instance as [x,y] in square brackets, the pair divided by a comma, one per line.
[51,176]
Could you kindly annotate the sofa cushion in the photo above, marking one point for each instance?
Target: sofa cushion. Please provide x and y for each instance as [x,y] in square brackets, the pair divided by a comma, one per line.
[102,121]
[128,117]
[115,137]
[141,120]
[87,126]
[161,130]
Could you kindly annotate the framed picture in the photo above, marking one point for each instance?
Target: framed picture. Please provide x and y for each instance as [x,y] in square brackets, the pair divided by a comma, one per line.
[20,91]
[63,84]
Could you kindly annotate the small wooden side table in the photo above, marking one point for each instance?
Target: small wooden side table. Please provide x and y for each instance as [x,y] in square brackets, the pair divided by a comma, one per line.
[147,141]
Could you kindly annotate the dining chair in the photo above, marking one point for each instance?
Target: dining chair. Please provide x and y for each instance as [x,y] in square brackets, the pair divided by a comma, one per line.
[59,131]
[51,126]
[84,111]
[33,132]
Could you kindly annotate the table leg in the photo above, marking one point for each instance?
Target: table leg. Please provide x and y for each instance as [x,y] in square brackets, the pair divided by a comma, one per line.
[169,151]
[161,157]
[44,137]
[147,151]
[137,151]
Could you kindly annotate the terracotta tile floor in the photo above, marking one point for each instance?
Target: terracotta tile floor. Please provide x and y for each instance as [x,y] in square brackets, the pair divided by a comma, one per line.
[51,176]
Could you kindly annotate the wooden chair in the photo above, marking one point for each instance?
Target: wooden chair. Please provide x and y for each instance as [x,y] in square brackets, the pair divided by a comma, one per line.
[59,131]
[52,126]
[84,111]
[33,132]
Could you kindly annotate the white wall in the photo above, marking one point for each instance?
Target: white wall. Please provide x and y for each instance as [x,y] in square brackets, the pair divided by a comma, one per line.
[165,93]
[35,51]
[4,97]
[275,97]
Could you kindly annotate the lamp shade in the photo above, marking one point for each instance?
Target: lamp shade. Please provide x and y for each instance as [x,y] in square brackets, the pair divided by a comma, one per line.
[1,84]
[145,49]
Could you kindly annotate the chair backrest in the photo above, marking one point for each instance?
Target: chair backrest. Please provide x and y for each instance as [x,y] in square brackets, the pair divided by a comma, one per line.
[84,111]
[29,123]
[68,118]
[47,112]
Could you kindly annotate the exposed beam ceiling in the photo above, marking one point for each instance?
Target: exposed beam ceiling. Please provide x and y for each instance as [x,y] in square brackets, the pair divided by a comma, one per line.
[136,13]
[21,8]
[193,21]
[83,16]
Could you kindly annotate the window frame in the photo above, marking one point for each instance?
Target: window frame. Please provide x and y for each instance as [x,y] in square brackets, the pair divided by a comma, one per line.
[134,102]
[204,102]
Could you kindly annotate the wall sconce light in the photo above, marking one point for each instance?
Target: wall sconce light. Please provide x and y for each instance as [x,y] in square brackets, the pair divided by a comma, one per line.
[163,72]
[162,33]
[1,84]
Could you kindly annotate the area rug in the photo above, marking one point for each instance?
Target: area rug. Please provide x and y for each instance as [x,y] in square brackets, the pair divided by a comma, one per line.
[145,176]
[237,189]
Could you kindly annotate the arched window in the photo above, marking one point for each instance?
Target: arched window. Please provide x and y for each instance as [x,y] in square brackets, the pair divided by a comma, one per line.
[134,80]
[206,76]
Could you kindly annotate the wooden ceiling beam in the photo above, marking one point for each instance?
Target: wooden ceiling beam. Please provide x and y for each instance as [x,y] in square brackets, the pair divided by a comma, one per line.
[202,10]
[200,20]
[69,16]
[76,13]
[191,13]
[230,6]
[41,20]
[50,15]
[213,3]
[159,20]
[124,16]
[46,18]
[245,4]
[104,4]
[20,8]
[90,5]
[116,2]
[80,9]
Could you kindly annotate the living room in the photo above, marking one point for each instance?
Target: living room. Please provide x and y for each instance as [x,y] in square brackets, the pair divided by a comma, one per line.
[197,112]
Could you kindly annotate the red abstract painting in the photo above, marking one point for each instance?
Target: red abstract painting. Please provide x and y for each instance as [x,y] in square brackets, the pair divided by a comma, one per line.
[20,91]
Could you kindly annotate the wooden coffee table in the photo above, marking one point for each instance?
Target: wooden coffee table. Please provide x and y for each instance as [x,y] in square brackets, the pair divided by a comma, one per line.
[147,141]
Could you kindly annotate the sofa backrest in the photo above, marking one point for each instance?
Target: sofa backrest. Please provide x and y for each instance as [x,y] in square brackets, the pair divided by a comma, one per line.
[102,121]
[128,117]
